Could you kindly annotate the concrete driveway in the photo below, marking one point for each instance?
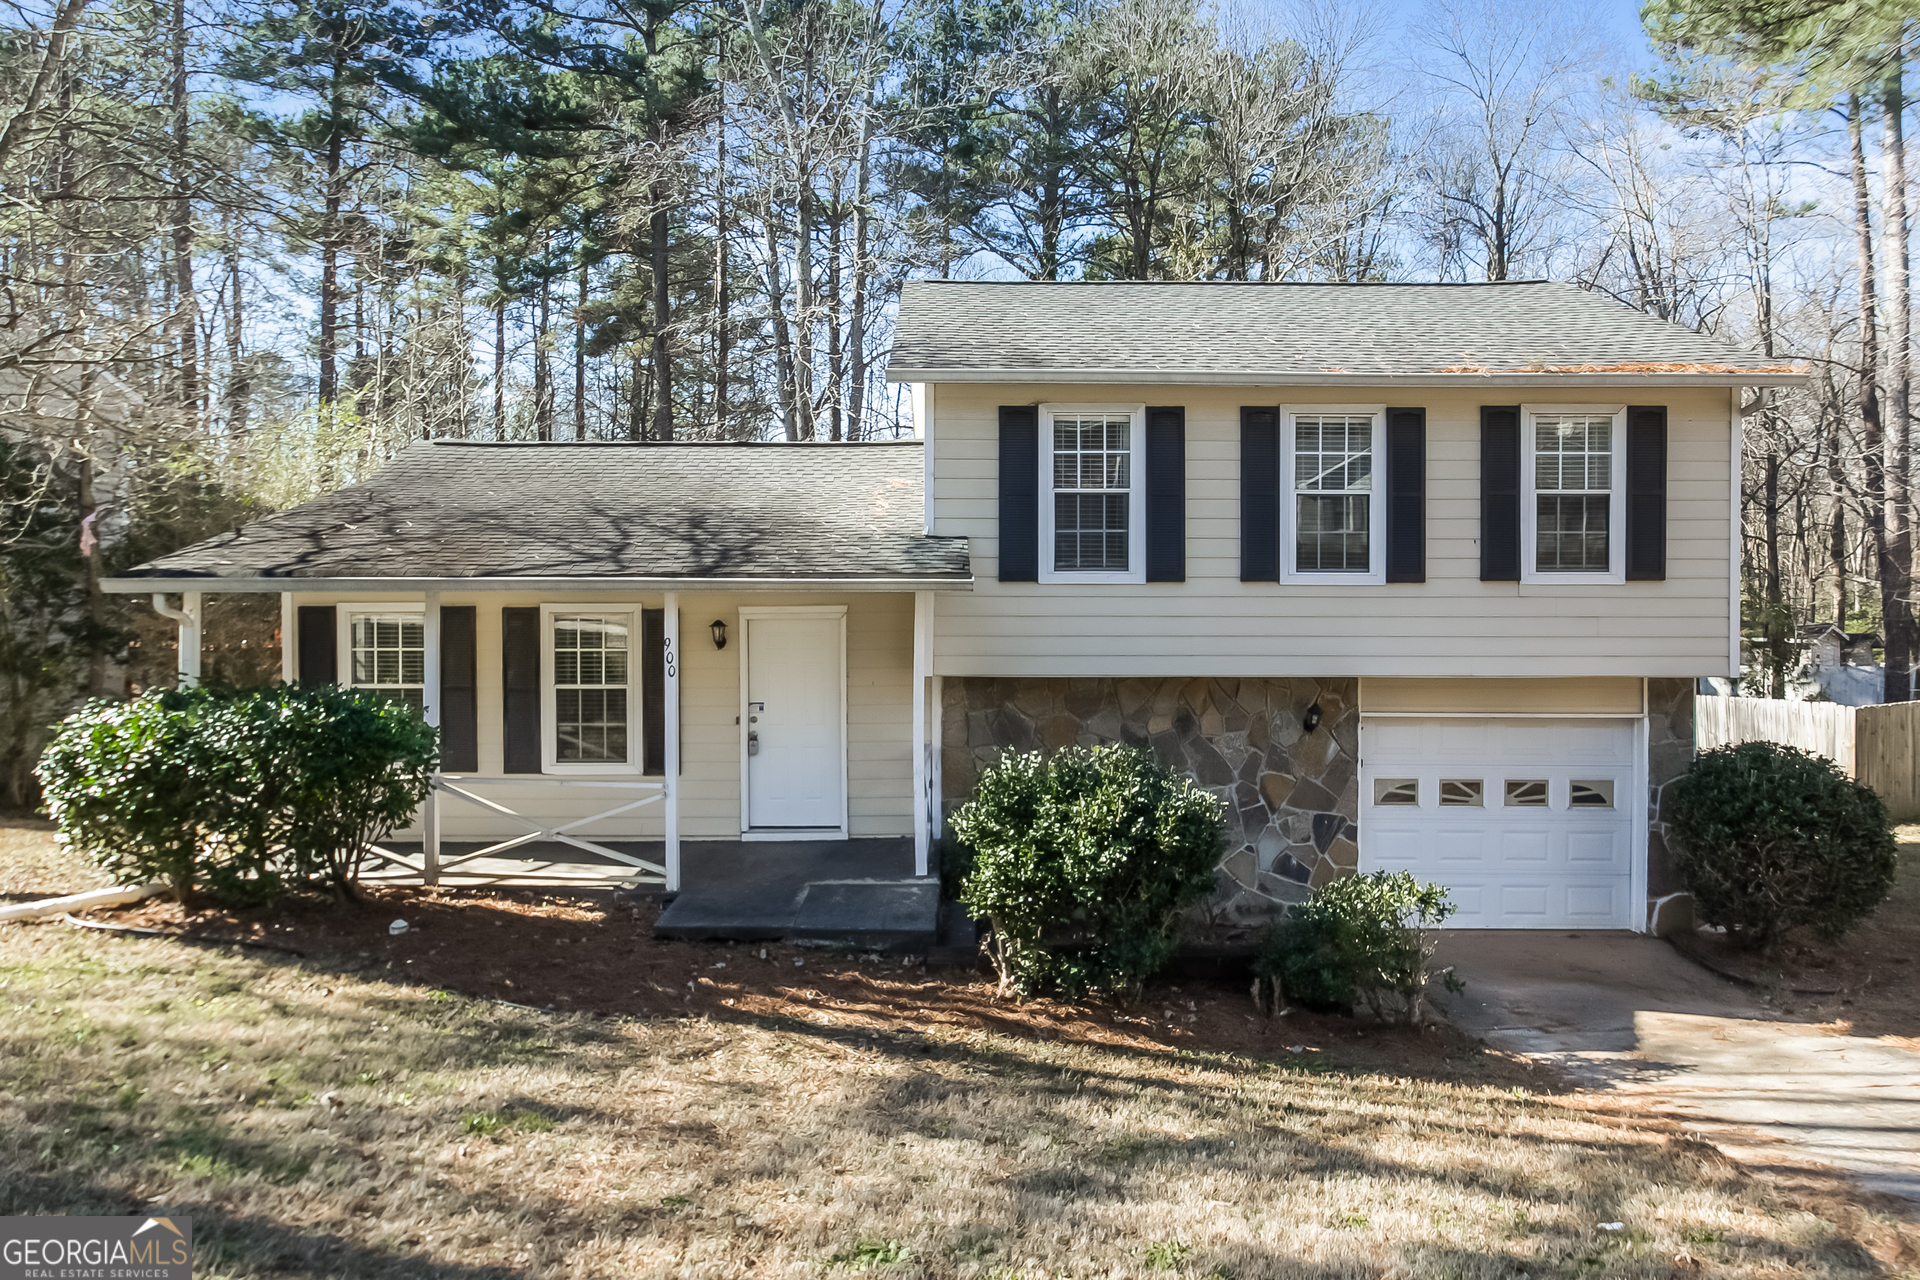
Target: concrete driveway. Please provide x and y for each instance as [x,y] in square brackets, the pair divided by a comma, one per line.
[1629,1014]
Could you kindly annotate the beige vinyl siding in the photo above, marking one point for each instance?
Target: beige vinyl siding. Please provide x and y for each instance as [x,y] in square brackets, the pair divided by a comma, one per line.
[1451,625]
[879,715]
[1594,695]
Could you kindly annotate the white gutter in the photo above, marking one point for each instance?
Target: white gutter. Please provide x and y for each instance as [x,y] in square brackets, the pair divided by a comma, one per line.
[210,583]
[1271,378]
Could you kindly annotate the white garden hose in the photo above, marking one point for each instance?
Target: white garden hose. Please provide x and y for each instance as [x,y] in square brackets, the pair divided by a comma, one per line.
[80,902]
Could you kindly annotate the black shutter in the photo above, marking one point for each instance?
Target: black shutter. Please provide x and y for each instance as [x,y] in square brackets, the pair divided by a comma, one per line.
[1019,493]
[1167,495]
[1259,495]
[1500,493]
[459,691]
[1406,495]
[1647,493]
[520,688]
[653,692]
[319,643]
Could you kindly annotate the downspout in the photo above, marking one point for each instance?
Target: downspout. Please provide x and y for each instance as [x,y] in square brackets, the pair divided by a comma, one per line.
[188,616]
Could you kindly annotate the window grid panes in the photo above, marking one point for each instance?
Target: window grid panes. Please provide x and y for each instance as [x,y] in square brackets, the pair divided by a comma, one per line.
[590,690]
[1092,491]
[1573,482]
[389,655]
[1333,493]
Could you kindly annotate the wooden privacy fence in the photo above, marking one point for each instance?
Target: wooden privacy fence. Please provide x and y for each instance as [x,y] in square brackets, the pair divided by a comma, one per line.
[1876,745]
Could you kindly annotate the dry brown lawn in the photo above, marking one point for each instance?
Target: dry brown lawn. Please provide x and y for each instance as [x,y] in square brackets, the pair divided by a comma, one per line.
[318,1122]
[360,1110]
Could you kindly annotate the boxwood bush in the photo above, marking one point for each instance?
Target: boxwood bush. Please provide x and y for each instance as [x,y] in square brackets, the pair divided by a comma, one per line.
[236,793]
[1769,839]
[1082,864]
[1361,941]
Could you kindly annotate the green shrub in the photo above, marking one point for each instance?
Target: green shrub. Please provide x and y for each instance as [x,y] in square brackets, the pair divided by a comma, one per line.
[1769,839]
[236,793]
[1082,864]
[141,788]
[1362,940]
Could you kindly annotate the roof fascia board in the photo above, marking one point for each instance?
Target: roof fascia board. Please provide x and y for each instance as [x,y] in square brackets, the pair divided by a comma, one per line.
[237,585]
[1181,377]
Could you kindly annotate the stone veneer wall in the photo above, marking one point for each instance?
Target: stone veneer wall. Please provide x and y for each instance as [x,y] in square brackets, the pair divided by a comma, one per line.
[1291,797]
[1670,747]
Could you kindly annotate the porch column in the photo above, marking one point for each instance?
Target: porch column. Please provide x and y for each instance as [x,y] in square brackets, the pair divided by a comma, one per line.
[430,711]
[671,702]
[188,616]
[936,735]
[922,668]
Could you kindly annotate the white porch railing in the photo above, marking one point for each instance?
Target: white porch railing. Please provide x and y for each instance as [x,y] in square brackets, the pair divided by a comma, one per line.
[430,865]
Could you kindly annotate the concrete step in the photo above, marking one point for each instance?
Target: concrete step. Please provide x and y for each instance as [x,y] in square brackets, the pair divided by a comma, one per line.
[889,915]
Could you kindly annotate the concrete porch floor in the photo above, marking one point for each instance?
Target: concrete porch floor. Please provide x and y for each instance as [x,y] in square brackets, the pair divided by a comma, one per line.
[859,892]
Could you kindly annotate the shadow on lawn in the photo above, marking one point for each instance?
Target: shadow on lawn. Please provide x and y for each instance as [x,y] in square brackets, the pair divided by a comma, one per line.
[255,1241]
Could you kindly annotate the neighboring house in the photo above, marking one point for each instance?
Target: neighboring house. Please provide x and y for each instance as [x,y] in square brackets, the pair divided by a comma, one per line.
[1839,667]
[1412,576]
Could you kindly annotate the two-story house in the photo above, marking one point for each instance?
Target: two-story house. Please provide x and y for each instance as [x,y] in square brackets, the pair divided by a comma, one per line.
[1411,576]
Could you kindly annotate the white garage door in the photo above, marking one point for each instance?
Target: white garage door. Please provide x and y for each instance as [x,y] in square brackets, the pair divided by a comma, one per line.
[1528,823]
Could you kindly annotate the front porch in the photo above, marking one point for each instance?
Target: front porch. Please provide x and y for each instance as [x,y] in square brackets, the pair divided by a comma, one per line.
[858,892]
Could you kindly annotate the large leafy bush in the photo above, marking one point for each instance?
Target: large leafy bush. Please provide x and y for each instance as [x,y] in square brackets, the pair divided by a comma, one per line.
[236,793]
[1082,865]
[1769,839]
[1360,941]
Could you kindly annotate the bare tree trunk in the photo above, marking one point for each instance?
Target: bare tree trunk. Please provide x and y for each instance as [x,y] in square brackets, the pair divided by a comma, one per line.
[542,365]
[836,365]
[803,318]
[96,600]
[500,367]
[1899,380]
[720,300]
[661,359]
[21,121]
[187,342]
[857,321]
[239,383]
[637,398]
[1775,622]
[785,379]
[330,257]
[580,353]
[1873,441]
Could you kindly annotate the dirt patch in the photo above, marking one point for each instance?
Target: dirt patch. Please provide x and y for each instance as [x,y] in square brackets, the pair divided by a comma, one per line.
[592,954]
[1865,984]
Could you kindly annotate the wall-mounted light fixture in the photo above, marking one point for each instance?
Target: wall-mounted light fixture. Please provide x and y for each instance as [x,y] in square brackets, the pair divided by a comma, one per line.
[719,630]
[1312,720]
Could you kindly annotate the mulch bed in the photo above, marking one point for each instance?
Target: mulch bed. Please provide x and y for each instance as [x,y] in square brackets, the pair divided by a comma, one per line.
[592,954]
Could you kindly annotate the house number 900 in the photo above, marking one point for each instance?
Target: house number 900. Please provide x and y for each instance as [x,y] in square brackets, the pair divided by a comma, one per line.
[673,667]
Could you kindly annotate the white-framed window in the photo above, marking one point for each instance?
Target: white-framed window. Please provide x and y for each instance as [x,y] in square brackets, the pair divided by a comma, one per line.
[384,649]
[1333,529]
[590,695]
[1573,501]
[1093,507]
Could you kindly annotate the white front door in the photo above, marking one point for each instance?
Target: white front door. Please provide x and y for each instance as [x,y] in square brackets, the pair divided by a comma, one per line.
[796,762]
[1528,823]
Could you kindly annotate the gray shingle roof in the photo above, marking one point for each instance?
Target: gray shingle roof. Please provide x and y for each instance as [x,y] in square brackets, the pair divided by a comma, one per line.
[454,510]
[1307,333]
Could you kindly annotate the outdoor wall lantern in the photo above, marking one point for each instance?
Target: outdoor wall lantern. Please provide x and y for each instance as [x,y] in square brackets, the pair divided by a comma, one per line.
[719,630]
[1312,721]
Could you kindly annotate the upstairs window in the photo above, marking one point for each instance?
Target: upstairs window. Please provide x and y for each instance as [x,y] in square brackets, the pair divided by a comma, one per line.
[387,653]
[1335,513]
[1575,508]
[1093,513]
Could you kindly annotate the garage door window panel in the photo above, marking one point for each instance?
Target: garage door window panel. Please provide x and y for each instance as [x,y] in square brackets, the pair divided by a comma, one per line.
[1574,506]
[1595,793]
[1528,793]
[1463,793]
[1396,792]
